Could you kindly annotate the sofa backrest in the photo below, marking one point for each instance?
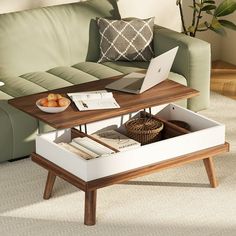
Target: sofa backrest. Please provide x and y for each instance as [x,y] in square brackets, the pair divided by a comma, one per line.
[43,38]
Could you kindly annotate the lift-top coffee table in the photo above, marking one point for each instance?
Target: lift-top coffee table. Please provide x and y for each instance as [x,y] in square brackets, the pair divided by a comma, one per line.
[89,175]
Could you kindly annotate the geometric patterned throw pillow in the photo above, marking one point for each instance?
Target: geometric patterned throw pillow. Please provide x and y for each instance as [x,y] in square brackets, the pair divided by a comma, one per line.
[126,40]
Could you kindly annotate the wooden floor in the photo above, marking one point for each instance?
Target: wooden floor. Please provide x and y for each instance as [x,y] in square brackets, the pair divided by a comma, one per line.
[223,78]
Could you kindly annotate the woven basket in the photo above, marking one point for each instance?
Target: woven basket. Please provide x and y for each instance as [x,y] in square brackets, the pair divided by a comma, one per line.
[144,130]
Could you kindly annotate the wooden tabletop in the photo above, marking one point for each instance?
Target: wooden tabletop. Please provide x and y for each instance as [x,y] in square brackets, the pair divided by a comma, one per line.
[165,92]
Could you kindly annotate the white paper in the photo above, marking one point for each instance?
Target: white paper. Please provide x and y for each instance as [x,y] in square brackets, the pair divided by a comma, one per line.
[94,100]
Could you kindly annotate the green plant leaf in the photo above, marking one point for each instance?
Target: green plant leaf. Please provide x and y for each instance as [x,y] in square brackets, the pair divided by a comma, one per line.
[220,31]
[228,24]
[203,25]
[200,5]
[208,1]
[217,27]
[225,8]
[215,23]
[209,12]
[208,8]
[191,29]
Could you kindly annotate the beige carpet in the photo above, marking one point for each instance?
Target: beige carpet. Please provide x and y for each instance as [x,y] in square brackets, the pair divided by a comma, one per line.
[173,202]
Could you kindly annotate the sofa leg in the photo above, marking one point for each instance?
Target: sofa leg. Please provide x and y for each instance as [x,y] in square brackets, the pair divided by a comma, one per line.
[210,169]
[49,185]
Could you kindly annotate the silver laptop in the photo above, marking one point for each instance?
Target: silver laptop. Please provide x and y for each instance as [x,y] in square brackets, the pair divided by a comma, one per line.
[158,70]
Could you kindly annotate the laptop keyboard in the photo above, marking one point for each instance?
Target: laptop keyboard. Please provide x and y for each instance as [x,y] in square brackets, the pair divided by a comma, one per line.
[136,85]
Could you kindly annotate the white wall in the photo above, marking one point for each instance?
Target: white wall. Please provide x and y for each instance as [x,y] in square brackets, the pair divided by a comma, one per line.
[165,11]
[138,8]
[215,41]
[18,5]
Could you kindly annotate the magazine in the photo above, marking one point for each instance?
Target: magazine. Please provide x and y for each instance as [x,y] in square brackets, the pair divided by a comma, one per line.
[94,100]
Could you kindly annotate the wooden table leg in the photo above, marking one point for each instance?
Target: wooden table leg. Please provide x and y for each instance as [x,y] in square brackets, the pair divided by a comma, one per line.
[210,169]
[49,185]
[90,207]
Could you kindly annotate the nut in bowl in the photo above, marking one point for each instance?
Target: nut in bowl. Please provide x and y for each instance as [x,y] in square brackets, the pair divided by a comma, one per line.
[53,103]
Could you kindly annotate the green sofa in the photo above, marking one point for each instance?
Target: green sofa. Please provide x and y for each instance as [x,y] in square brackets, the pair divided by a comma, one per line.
[48,48]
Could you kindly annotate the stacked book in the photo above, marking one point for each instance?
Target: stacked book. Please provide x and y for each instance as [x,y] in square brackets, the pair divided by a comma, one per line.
[100,144]
[116,140]
[87,148]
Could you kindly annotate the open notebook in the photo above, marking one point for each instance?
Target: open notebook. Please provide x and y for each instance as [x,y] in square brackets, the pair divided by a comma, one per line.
[94,100]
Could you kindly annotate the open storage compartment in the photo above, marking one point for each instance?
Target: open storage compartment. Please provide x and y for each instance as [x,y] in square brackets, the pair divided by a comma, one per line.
[177,141]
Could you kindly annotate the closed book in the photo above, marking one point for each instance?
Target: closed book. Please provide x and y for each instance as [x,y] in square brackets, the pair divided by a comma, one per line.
[82,148]
[93,146]
[116,140]
[75,150]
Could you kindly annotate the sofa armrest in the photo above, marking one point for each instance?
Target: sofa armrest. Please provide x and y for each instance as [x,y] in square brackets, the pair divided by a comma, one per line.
[193,61]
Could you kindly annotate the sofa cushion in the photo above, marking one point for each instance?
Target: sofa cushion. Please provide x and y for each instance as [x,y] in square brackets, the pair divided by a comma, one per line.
[54,78]
[63,76]
[98,70]
[125,67]
[71,75]
[126,40]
